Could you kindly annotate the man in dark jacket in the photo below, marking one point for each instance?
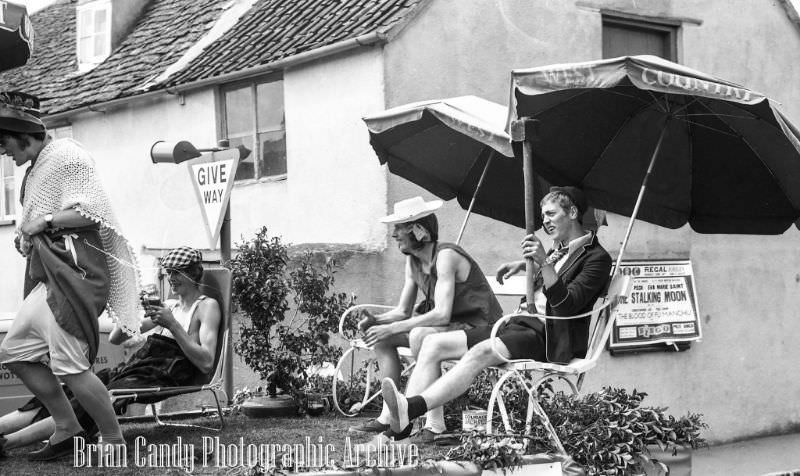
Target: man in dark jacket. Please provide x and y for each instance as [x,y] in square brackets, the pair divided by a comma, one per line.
[569,280]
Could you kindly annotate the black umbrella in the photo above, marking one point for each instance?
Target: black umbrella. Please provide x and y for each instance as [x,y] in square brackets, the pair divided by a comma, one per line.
[16,36]
[709,152]
[458,148]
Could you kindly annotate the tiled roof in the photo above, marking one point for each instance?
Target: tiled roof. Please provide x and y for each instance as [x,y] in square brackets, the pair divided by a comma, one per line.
[275,29]
[270,30]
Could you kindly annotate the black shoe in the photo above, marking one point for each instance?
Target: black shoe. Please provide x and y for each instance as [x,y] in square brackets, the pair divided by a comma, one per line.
[52,451]
[371,426]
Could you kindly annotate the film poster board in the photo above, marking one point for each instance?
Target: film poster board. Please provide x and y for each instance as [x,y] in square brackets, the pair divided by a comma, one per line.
[662,308]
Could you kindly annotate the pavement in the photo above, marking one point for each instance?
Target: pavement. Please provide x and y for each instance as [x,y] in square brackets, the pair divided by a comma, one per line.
[775,455]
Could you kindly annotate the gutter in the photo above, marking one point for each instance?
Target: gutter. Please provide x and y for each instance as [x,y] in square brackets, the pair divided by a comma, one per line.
[368,39]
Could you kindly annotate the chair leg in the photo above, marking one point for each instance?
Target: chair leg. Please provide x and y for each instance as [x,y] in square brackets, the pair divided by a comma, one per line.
[213,391]
[496,397]
[535,408]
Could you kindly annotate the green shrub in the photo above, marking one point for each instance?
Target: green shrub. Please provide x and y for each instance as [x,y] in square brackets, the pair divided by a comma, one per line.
[277,341]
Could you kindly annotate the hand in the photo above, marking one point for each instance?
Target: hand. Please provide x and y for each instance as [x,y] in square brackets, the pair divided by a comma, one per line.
[33,227]
[368,321]
[533,249]
[161,316]
[506,270]
[378,333]
[22,244]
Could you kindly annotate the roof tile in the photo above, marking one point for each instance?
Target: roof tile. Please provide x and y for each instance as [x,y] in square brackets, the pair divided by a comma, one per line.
[269,31]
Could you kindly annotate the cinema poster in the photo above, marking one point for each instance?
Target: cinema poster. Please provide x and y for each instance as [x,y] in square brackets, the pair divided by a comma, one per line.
[662,308]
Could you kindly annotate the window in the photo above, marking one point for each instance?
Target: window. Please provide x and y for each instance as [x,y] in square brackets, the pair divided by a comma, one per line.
[94,33]
[253,117]
[7,199]
[628,36]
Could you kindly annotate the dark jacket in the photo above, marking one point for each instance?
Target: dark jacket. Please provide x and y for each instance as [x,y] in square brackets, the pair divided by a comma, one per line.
[581,280]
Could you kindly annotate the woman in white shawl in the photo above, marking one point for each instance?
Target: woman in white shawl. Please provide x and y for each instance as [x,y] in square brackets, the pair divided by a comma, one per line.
[76,268]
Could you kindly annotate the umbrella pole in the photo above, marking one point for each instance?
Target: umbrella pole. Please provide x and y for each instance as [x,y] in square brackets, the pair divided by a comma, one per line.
[639,198]
[474,196]
[518,134]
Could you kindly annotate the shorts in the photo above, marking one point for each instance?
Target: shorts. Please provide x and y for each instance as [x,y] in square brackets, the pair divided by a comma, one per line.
[35,336]
[401,340]
[524,337]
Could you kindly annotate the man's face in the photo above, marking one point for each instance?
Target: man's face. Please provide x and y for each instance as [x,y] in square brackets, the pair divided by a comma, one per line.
[556,221]
[402,234]
[179,280]
[15,148]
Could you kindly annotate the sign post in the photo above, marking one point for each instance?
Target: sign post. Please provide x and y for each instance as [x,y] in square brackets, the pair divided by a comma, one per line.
[212,177]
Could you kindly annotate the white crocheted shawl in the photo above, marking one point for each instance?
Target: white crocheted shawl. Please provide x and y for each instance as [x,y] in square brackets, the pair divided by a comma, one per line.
[64,177]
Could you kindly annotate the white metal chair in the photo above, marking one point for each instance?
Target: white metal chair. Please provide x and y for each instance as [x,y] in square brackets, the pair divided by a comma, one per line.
[572,373]
[350,361]
[216,283]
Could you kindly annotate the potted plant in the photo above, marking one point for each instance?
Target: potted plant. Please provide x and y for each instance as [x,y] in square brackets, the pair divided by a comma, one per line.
[277,340]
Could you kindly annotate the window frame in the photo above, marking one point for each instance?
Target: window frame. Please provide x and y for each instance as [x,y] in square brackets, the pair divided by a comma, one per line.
[252,84]
[636,22]
[90,61]
[10,218]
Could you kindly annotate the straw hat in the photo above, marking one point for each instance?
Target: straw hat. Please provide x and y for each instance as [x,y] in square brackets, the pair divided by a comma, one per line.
[411,209]
[19,112]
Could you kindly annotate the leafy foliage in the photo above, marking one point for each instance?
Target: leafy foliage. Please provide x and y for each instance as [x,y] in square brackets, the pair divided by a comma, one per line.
[278,348]
[606,432]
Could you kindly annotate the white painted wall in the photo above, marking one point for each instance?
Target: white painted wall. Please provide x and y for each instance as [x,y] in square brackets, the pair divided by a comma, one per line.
[335,191]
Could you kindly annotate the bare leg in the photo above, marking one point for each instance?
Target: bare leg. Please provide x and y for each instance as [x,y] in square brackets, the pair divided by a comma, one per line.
[30,434]
[93,397]
[389,364]
[434,418]
[16,420]
[437,348]
[41,381]
[460,377]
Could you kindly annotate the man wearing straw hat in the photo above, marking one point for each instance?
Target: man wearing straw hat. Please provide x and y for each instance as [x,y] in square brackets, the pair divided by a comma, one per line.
[569,280]
[78,264]
[457,296]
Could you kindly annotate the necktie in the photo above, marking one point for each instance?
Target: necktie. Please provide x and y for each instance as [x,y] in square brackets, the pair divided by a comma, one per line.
[552,258]
[556,255]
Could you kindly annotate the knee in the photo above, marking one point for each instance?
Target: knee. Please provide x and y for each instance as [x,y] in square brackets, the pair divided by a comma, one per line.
[432,347]
[418,334]
[482,355]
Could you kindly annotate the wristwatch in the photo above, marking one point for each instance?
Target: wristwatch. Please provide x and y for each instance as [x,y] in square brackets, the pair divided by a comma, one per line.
[48,220]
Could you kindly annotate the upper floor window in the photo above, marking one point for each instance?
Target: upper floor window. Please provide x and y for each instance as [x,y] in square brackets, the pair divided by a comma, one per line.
[626,37]
[8,197]
[94,33]
[253,115]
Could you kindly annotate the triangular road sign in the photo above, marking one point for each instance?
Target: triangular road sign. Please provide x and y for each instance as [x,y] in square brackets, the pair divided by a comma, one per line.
[212,177]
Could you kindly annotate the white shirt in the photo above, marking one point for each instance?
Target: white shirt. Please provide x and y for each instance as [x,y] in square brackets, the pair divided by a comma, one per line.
[538,295]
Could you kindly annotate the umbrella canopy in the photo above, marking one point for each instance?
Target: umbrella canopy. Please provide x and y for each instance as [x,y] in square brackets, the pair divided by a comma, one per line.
[16,36]
[444,146]
[726,160]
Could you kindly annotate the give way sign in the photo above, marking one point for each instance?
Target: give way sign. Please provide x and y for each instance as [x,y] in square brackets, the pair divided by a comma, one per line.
[212,177]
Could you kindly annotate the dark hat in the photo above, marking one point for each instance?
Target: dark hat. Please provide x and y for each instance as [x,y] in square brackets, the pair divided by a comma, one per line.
[577,196]
[19,112]
[180,258]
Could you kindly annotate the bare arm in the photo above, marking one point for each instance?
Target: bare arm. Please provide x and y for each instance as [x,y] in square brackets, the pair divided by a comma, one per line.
[200,349]
[117,336]
[69,218]
[446,267]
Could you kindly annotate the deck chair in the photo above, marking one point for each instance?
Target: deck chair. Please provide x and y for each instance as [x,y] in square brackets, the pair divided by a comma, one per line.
[216,283]
[572,373]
